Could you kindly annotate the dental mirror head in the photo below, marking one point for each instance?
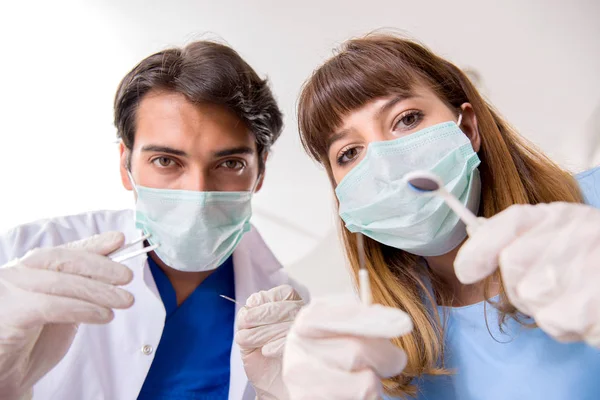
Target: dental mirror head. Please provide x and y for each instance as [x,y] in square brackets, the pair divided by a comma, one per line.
[423,182]
[427,183]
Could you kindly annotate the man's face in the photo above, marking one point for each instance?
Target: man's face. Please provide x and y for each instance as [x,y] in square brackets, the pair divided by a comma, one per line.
[186,146]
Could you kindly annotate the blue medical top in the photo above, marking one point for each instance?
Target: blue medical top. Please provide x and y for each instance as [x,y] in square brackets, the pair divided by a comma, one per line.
[521,363]
[192,360]
[589,181]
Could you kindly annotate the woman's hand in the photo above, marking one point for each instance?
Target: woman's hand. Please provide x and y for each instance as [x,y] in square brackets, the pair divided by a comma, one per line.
[549,258]
[340,349]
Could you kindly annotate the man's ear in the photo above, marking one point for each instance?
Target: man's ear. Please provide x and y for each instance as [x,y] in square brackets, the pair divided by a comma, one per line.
[469,125]
[262,174]
[124,155]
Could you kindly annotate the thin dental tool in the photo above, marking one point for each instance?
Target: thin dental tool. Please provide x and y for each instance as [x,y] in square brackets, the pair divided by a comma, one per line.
[363,275]
[427,183]
[120,258]
[231,300]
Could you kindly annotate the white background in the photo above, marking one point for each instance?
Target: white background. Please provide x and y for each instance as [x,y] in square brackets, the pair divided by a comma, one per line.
[61,61]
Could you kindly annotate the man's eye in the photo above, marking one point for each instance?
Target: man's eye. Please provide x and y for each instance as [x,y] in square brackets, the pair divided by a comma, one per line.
[163,162]
[233,164]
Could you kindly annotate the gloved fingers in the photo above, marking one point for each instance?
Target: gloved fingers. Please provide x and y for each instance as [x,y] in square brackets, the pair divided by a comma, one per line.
[268,313]
[40,309]
[528,278]
[535,290]
[534,268]
[592,334]
[326,384]
[363,385]
[380,355]
[479,256]
[102,244]
[334,317]
[355,354]
[276,294]
[592,337]
[572,311]
[368,385]
[66,285]
[78,262]
[573,316]
[255,338]
[274,349]
[551,259]
[307,379]
[52,345]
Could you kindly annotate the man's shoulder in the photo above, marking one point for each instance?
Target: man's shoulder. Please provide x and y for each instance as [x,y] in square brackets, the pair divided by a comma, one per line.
[255,250]
[59,230]
[263,262]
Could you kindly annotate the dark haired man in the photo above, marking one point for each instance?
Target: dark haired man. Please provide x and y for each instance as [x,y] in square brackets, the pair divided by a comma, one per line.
[195,127]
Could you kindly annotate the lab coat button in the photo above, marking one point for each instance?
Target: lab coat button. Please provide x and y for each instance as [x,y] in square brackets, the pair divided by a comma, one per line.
[147,349]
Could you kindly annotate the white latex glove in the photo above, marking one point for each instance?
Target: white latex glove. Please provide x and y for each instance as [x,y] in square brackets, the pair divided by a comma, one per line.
[339,349]
[43,298]
[262,328]
[549,258]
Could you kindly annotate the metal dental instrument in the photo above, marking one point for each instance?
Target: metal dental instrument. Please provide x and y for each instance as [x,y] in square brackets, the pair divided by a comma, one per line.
[427,183]
[231,300]
[120,258]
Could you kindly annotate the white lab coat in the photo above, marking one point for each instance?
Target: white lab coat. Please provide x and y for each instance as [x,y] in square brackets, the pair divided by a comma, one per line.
[111,361]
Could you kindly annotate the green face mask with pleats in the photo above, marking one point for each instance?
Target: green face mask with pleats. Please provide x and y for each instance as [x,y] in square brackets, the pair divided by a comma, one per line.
[375,200]
[194,231]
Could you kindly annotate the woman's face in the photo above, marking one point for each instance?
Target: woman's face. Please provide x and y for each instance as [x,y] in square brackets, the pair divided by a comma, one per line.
[389,118]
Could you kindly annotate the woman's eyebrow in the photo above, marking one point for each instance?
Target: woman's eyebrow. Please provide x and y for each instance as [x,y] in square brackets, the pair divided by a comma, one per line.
[334,137]
[391,103]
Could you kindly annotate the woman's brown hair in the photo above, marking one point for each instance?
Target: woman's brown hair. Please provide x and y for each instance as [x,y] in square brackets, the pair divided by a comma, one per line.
[512,172]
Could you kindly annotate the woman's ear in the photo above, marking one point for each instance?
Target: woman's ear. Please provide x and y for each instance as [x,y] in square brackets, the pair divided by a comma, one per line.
[469,125]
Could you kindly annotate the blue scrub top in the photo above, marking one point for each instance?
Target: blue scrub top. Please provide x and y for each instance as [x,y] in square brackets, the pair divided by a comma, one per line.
[192,360]
[521,363]
[589,181]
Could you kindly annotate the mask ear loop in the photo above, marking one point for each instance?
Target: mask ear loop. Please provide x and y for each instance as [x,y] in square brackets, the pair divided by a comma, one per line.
[459,119]
[146,234]
[253,189]
[132,181]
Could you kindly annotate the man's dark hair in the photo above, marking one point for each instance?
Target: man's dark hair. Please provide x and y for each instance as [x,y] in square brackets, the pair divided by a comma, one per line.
[204,72]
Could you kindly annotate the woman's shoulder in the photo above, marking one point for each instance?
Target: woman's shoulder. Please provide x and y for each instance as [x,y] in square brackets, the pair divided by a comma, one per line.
[589,182]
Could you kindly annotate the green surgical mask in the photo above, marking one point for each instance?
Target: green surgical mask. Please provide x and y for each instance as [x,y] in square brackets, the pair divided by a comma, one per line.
[374,198]
[196,231]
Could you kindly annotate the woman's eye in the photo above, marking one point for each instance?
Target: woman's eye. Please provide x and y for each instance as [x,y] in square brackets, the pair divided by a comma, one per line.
[163,162]
[233,164]
[408,121]
[348,155]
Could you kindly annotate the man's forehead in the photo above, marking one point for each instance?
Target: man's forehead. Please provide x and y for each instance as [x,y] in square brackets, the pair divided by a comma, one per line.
[172,122]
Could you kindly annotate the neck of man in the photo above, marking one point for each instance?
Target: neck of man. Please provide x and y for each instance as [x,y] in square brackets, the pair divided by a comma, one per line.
[184,283]
[462,295]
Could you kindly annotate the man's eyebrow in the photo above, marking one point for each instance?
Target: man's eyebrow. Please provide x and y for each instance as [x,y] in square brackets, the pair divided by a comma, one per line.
[234,151]
[164,149]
